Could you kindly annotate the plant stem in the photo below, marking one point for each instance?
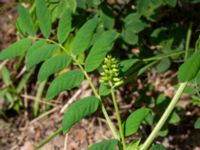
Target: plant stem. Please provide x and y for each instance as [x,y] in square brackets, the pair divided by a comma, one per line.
[119,121]
[109,122]
[49,138]
[188,38]
[164,117]
[171,54]
[38,97]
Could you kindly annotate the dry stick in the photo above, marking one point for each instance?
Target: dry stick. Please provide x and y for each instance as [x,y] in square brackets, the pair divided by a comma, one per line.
[66,139]
[3,64]
[74,97]
[45,114]
[40,101]
[21,72]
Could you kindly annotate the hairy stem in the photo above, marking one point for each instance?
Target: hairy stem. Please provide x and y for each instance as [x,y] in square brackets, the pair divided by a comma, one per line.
[164,117]
[119,121]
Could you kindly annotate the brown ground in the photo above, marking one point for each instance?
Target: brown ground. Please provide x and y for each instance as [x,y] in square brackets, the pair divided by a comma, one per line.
[24,131]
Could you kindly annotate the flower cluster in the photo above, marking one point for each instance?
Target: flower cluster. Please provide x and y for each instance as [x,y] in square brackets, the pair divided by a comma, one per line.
[110,75]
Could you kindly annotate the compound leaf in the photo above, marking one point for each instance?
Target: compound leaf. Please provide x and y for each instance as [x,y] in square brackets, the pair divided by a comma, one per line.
[53,65]
[16,49]
[99,50]
[65,81]
[83,37]
[44,18]
[79,110]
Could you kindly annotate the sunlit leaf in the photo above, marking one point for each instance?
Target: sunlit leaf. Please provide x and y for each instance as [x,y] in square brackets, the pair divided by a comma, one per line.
[79,110]
[65,81]
[84,36]
[64,26]
[99,50]
[189,69]
[26,20]
[16,49]
[44,18]
[53,65]
[133,122]
[105,145]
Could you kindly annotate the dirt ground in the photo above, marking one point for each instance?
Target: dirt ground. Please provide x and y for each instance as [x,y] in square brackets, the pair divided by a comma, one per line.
[23,132]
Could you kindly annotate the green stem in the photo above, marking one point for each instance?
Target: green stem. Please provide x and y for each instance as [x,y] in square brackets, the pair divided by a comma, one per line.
[38,97]
[32,8]
[49,138]
[164,117]
[188,38]
[119,121]
[175,53]
[109,122]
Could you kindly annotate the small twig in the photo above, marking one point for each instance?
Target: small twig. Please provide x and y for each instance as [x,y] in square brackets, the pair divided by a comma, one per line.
[45,114]
[3,64]
[71,100]
[21,72]
[65,142]
[74,97]
[40,101]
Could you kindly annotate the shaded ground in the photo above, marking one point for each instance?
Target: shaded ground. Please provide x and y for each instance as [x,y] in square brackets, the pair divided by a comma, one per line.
[23,131]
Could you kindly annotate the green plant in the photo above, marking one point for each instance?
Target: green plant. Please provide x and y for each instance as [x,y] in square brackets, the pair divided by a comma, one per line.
[89,46]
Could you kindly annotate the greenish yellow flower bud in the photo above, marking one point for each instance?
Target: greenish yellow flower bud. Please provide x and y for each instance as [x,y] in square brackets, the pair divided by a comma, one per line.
[110,74]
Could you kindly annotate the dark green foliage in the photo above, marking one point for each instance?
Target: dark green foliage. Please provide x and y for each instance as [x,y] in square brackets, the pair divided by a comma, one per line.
[64,42]
[105,145]
[16,49]
[65,81]
[79,110]
[44,18]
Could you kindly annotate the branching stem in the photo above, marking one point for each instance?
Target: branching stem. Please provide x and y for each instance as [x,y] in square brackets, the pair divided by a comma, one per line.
[109,122]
